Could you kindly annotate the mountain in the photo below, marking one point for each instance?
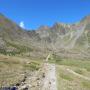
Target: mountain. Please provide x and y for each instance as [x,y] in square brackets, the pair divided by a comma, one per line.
[67,40]
[12,37]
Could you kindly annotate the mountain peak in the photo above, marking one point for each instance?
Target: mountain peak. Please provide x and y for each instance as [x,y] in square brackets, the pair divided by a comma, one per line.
[43,28]
[86,19]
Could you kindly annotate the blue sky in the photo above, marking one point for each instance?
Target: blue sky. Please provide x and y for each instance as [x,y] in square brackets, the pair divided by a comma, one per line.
[35,13]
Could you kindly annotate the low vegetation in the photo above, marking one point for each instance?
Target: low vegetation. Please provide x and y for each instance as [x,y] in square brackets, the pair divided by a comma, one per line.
[86,84]
[32,66]
[69,81]
[17,49]
[71,62]
[65,76]
[14,69]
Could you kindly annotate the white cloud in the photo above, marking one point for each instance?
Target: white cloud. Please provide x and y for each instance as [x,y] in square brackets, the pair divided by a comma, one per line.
[22,24]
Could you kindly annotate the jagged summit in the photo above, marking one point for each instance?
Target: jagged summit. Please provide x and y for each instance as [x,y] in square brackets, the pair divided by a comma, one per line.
[43,27]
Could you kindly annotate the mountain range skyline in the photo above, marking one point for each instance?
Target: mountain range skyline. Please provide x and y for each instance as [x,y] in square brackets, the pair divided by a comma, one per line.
[44,12]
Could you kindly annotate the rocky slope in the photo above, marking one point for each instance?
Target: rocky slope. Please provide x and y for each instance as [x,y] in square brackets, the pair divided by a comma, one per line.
[61,39]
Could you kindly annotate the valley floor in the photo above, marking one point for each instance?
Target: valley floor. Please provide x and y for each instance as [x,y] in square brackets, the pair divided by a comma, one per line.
[28,74]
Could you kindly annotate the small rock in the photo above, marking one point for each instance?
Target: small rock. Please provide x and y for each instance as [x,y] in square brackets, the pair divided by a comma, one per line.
[38,78]
[26,88]
[18,84]
[43,75]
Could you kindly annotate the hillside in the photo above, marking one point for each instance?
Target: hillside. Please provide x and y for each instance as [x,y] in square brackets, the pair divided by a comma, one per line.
[61,39]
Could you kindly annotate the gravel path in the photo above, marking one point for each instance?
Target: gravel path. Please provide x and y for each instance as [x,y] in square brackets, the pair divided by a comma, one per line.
[50,77]
[49,82]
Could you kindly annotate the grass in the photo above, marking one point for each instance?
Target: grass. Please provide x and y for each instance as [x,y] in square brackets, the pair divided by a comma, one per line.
[68,81]
[77,63]
[32,66]
[66,76]
[86,84]
[79,71]
[17,49]
[71,62]
[9,70]
[13,68]
[62,78]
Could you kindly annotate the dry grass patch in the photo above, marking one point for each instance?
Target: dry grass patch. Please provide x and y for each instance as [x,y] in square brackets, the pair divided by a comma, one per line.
[86,84]
[13,69]
[69,81]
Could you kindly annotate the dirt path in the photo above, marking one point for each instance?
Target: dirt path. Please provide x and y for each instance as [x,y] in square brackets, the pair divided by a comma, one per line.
[79,75]
[44,79]
[50,76]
